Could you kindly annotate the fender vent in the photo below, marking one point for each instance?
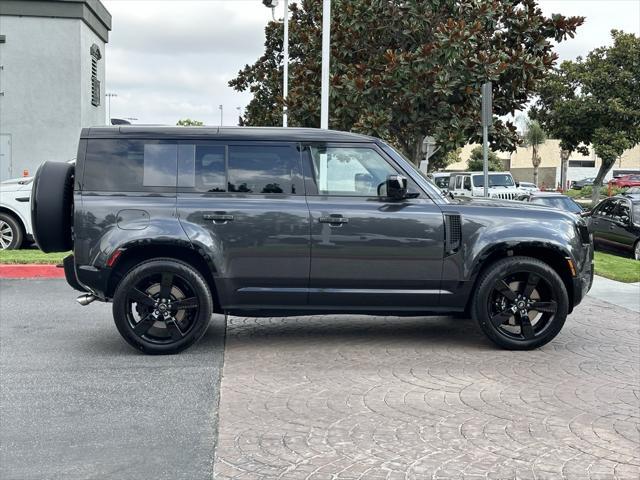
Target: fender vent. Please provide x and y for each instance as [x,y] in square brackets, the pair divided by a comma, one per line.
[453,232]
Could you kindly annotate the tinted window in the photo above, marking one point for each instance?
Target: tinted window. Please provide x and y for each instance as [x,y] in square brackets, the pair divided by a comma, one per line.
[636,213]
[202,167]
[606,208]
[458,183]
[264,169]
[467,183]
[113,165]
[623,212]
[160,165]
[350,171]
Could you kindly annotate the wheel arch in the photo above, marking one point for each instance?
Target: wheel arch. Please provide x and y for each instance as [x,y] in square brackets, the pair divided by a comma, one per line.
[16,215]
[133,255]
[551,254]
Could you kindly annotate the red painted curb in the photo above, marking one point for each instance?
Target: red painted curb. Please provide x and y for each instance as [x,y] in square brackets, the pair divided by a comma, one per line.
[31,271]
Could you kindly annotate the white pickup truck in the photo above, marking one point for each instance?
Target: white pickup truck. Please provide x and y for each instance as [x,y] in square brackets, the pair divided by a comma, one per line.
[15,212]
[471,184]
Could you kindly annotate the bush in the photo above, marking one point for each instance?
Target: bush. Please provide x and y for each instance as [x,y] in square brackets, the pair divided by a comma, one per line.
[586,192]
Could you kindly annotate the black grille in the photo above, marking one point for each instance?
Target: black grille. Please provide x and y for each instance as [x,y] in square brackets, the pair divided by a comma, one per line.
[453,232]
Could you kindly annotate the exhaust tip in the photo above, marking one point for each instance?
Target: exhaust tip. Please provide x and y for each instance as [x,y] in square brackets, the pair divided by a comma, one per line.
[86,299]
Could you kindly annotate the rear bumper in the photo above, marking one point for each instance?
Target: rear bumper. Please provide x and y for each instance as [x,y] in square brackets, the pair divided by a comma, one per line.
[85,278]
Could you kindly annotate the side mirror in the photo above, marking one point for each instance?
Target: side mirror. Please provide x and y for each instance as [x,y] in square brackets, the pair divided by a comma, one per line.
[517,184]
[396,187]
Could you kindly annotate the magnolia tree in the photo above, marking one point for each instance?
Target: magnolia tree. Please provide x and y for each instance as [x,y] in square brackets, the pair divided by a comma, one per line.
[594,101]
[401,69]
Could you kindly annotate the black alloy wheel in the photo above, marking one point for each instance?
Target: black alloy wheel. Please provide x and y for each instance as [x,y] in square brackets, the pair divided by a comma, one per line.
[521,303]
[162,306]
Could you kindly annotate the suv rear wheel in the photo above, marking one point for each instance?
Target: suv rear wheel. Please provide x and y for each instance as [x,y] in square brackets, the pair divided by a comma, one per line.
[162,306]
[521,303]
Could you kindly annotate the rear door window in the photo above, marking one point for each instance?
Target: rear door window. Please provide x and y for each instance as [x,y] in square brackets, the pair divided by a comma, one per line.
[264,169]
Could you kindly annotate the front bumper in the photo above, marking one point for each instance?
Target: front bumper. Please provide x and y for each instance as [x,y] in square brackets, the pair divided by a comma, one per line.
[584,279]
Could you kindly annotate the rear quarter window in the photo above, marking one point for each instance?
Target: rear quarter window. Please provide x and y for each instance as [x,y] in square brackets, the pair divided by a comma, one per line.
[122,165]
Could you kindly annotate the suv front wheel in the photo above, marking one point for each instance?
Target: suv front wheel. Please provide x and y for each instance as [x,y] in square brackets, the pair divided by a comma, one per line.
[162,306]
[521,303]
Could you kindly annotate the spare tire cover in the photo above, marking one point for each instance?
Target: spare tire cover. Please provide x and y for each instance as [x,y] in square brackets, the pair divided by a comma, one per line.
[52,206]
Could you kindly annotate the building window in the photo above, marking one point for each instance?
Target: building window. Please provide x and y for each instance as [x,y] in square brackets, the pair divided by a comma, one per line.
[582,163]
[95,83]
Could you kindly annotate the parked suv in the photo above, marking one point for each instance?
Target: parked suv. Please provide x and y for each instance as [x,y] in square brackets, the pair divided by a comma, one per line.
[174,223]
[471,184]
[15,220]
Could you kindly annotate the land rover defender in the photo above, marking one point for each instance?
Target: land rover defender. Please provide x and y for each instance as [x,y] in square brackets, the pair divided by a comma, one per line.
[171,224]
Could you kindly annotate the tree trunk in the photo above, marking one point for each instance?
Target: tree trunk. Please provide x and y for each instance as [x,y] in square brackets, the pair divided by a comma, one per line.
[534,161]
[605,166]
[564,168]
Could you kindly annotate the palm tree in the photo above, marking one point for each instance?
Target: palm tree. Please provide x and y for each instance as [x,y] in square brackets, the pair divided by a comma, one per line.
[533,137]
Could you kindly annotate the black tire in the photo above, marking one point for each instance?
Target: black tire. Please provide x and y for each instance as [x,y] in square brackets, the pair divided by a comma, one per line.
[138,313]
[523,284]
[52,206]
[11,232]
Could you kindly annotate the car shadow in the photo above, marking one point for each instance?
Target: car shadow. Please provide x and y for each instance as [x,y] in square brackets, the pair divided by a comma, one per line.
[329,329]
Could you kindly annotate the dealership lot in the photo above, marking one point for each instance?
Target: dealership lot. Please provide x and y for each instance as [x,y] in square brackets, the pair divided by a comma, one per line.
[77,402]
[342,396]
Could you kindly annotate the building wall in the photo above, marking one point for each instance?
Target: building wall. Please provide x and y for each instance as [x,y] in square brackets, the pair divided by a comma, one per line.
[46,80]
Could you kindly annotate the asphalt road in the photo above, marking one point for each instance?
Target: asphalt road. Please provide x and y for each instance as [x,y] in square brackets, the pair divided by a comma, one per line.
[76,402]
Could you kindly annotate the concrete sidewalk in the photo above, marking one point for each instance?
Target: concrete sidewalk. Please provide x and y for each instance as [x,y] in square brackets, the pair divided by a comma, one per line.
[626,295]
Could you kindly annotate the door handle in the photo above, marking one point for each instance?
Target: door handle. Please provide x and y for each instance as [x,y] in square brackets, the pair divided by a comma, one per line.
[334,221]
[218,217]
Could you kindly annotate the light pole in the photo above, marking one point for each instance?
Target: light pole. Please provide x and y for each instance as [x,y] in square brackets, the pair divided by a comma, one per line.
[272,4]
[487,117]
[326,52]
[220,107]
[109,95]
[239,109]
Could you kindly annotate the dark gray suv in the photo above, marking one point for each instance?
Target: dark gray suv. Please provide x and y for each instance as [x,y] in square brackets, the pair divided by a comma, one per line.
[173,223]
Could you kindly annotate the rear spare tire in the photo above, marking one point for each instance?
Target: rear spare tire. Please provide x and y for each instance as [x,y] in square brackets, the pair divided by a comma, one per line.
[52,206]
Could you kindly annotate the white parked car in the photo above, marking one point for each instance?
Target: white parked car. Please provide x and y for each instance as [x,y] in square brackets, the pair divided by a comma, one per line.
[15,212]
[471,184]
[528,187]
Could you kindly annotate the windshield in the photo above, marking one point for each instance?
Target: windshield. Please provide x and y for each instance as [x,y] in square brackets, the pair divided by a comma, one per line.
[563,203]
[495,180]
[441,182]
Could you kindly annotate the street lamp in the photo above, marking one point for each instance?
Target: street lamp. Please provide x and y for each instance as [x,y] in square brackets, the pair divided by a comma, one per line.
[239,109]
[109,95]
[272,4]
[220,107]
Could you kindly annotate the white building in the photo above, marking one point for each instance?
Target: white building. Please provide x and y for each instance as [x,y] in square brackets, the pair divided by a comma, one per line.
[52,70]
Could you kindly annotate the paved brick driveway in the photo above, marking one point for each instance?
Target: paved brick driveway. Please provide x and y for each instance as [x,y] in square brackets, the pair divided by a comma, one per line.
[356,397]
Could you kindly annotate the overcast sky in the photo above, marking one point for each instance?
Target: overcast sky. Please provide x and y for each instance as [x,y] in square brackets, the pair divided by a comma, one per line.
[172,59]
